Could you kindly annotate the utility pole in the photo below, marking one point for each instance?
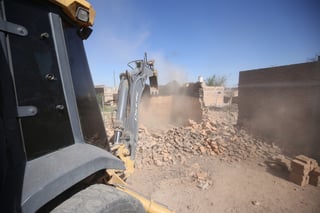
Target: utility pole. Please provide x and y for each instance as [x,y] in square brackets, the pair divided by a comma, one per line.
[114,79]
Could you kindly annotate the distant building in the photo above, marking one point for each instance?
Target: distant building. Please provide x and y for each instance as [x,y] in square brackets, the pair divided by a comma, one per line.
[109,94]
[213,96]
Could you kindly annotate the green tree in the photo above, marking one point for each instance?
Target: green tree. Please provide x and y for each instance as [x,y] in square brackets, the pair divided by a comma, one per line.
[216,81]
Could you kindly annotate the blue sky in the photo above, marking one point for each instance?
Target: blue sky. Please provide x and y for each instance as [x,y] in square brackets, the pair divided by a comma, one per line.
[189,38]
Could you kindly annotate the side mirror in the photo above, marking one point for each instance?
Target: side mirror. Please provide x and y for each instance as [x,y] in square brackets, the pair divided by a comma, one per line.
[84,32]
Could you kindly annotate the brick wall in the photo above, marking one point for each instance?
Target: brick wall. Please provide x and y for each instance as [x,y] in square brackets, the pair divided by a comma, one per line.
[283,104]
[213,96]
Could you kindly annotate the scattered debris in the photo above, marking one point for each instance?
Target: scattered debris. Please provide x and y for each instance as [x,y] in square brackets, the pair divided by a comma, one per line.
[201,178]
[255,203]
[204,184]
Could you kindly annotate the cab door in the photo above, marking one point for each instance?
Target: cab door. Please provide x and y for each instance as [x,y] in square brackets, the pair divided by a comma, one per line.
[41,96]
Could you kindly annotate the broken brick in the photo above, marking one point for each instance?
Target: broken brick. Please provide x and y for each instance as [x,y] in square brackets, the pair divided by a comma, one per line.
[315,177]
[314,180]
[203,150]
[299,167]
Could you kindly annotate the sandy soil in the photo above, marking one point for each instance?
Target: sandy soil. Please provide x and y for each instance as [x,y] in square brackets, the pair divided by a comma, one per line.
[247,186]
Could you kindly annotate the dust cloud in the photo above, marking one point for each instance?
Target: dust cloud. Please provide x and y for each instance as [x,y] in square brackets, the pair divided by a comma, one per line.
[168,71]
[290,124]
[164,112]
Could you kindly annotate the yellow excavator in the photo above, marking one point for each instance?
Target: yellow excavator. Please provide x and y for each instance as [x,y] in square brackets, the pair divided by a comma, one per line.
[54,152]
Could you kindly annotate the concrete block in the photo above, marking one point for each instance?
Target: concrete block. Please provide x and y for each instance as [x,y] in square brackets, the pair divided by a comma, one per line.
[315,177]
[312,162]
[303,159]
[298,179]
[316,171]
[299,167]
[314,180]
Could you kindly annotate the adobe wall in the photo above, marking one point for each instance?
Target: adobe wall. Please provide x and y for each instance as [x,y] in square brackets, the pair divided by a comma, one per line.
[159,112]
[283,103]
[213,96]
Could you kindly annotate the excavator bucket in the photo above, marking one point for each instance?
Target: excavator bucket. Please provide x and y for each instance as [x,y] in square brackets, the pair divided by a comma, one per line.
[154,90]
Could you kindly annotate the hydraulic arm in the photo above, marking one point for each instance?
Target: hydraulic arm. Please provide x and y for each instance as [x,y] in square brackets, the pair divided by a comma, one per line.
[125,136]
[130,91]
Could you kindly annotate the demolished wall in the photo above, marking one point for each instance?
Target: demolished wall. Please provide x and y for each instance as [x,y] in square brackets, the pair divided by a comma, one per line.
[283,103]
[174,105]
[161,111]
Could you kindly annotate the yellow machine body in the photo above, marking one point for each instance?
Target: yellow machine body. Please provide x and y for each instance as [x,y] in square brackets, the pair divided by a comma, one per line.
[71,9]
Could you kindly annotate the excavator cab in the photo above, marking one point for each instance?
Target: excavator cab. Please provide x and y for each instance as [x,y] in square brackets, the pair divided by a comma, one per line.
[49,117]
[53,142]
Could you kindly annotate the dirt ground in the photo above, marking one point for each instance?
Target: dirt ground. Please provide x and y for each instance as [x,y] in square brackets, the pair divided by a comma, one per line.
[204,183]
[237,187]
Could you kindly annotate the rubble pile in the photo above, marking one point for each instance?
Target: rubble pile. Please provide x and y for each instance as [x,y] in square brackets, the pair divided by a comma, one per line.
[209,138]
